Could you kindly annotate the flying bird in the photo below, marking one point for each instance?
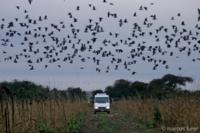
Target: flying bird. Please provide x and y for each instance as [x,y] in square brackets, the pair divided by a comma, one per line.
[47,43]
[30,1]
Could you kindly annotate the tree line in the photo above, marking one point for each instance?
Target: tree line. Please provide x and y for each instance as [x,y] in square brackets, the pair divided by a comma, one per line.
[167,86]
[24,90]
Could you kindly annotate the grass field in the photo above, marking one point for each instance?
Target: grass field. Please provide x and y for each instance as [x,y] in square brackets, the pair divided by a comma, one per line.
[49,116]
[127,116]
[154,115]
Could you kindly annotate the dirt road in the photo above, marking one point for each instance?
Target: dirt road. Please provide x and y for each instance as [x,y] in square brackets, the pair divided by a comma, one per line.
[111,123]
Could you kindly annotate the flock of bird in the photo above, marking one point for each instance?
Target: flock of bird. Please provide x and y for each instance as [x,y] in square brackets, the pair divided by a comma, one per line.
[32,41]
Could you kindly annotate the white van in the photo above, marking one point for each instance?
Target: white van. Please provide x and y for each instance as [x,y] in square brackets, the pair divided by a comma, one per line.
[101,103]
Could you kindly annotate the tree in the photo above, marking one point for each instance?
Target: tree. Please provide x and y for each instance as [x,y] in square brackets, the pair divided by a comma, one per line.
[157,88]
[119,89]
[167,86]
[170,82]
[138,89]
[75,93]
[26,90]
[96,91]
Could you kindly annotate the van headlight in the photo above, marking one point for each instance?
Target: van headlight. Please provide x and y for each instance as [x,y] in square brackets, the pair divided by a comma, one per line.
[107,107]
[96,107]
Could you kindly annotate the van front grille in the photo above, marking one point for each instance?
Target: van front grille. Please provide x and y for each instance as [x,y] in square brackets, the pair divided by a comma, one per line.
[102,108]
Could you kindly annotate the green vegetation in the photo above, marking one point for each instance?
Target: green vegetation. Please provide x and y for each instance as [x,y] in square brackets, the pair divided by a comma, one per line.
[157,115]
[106,125]
[43,127]
[26,90]
[75,123]
[166,87]
[137,106]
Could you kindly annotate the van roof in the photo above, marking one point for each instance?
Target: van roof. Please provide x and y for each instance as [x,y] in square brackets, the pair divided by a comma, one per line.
[101,95]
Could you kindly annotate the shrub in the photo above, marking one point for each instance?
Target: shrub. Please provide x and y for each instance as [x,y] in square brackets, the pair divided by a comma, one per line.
[157,115]
[43,127]
[75,123]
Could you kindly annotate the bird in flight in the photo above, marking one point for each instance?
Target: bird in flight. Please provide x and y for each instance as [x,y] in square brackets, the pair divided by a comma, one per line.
[30,1]
[50,43]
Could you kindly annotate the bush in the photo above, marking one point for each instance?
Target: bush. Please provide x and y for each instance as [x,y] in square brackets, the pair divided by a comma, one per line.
[157,115]
[44,128]
[75,123]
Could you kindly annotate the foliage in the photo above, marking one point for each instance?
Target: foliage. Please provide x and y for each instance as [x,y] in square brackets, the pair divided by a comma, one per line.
[96,91]
[170,81]
[24,90]
[75,93]
[163,88]
[152,114]
[106,125]
[75,123]
[47,116]
[43,127]
[157,115]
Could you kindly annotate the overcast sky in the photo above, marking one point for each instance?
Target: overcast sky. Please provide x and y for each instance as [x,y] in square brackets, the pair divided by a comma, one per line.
[70,75]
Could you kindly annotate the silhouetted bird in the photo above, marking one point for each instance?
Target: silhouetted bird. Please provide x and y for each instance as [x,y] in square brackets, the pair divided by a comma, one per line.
[30,1]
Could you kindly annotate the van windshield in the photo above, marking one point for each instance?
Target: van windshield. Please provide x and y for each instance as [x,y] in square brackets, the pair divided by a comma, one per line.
[101,99]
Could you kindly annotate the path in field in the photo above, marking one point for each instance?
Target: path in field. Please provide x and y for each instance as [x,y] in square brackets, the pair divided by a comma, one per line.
[111,123]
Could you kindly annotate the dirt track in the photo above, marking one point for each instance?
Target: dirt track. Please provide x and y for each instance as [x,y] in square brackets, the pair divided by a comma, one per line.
[110,123]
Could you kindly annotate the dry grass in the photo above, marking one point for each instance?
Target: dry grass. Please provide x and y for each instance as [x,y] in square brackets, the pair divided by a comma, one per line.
[174,112]
[22,117]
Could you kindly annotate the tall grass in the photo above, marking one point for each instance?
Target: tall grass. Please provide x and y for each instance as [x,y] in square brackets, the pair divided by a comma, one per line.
[65,116]
[174,112]
[30,116]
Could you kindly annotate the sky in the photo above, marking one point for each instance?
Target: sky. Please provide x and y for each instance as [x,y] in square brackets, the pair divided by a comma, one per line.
[70,75]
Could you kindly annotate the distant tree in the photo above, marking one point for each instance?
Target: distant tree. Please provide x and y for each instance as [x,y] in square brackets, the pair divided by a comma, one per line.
[119,89]
[138,89]
[157,88]
[170,81]
[26,90]
[97,91]
[5,92]
[167,86]
[23,90]
[54,94]
[63,94]
[75,93]
[110,91]
[122,83]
